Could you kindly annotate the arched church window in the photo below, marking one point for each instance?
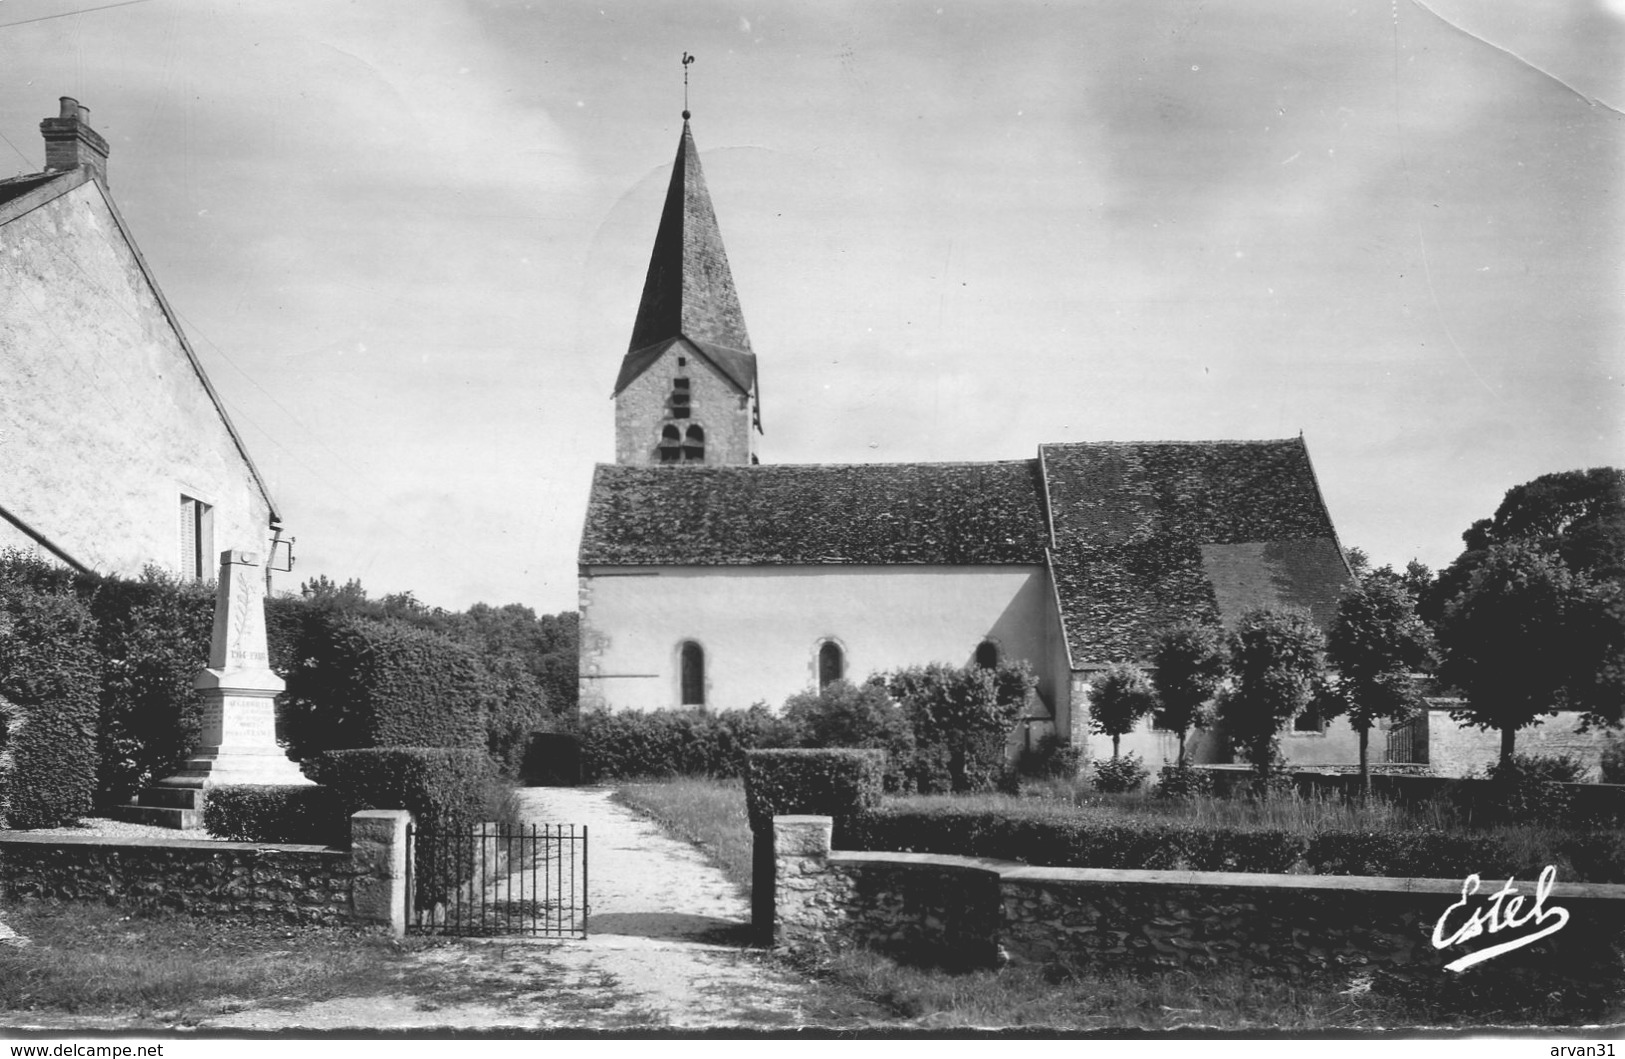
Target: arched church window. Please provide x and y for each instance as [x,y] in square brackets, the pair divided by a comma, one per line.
[987,655]
[831,664]
[671,445]
[680,403]
[694,445]
[693,675]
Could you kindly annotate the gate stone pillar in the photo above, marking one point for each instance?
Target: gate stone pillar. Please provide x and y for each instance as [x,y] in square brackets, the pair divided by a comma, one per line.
[378,855]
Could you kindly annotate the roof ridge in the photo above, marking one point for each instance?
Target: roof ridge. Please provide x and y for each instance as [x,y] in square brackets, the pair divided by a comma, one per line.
[1027,461]
[1168,441]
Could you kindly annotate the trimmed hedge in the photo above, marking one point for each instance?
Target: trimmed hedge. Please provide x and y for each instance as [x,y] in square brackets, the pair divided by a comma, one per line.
[449,792]
[49,676]
[838,783]
[355,683]
[279,813]
[631,743]
[1048,839]
[446,789]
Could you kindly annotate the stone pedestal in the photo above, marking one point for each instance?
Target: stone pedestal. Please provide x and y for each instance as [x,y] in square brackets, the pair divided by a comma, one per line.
[238,694]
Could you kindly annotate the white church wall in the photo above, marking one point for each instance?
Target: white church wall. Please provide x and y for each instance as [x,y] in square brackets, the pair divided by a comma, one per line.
[761,627]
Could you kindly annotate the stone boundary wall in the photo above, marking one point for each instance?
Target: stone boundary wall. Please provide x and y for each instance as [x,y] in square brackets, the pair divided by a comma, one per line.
[974,912]
[361,886]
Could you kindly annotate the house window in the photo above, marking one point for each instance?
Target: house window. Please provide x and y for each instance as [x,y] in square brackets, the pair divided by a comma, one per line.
[987,655]
[1159,721]
[831,664]
[197,539]
[680,399]
[694,445]
[693,678]
[671,445]
[1308,721]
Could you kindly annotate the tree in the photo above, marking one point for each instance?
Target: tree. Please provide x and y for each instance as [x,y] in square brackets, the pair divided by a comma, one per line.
[1277,657]
[1376,643]
[1189,663]
[1119,696]
[1577,516]
[1526,637]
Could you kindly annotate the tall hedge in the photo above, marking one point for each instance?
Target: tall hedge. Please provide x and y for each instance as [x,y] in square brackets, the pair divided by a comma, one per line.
[355,682]
[49,675]
[153,635]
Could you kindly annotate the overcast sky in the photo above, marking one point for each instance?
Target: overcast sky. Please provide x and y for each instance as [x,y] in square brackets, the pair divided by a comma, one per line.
[408,239]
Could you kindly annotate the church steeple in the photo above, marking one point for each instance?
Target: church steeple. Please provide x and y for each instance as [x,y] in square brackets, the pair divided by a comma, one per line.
[690,356]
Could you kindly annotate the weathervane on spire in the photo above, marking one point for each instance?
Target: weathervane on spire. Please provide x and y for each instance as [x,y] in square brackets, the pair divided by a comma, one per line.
[687,58]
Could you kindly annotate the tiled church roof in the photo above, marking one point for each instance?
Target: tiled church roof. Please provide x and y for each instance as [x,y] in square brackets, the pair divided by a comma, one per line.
[1147,534]
[904,513]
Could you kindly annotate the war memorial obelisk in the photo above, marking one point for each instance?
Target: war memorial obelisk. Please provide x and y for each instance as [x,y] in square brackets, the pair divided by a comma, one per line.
[238,694]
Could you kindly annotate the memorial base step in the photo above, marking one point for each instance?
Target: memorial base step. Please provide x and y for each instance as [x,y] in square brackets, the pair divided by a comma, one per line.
[160,816]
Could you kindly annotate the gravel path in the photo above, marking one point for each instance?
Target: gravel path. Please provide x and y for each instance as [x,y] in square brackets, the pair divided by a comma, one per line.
[663,950]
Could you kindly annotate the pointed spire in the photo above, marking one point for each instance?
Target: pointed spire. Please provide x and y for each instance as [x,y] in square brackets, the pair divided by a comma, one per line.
[689,291]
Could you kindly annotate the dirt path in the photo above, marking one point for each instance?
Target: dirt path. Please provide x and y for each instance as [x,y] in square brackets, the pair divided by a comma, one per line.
[665,949]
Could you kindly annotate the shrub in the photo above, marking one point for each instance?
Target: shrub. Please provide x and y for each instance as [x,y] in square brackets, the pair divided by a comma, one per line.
[855,717]
[1421,853]
[1526,788]
[49,676]
[961,719]
[1052,758]
[446,789]
[1598,856]
[838,783]
[630,743]
[1073,841]
[1613,760]
[1120,774]
[153,635]
[1182,781]
[355,683]
[280,813]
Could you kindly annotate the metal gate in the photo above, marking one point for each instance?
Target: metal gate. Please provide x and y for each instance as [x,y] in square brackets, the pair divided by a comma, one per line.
[494,880]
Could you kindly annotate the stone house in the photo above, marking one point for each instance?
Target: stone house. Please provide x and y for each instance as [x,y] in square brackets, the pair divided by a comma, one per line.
[115,451]
[709,579]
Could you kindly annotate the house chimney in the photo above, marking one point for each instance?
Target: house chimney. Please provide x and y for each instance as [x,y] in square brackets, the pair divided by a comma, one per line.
[70,142]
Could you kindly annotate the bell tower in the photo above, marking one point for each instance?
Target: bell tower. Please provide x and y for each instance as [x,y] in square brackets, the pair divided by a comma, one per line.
[686,394]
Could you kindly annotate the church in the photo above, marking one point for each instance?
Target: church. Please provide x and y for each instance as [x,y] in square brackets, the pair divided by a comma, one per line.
[709,579]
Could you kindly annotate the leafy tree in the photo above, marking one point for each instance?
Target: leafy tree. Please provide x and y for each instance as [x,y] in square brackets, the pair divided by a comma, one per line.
[961,718]
[1189,663]
[1578,516]
[1377,641]
[1119,696]
[1526,637]
[1277,657]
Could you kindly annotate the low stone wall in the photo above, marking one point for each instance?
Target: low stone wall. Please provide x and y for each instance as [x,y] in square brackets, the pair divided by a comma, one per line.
[947,909]
[362,886]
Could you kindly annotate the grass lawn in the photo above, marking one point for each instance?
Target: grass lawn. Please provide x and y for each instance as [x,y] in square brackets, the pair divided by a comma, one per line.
[96,961]
[711,813]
